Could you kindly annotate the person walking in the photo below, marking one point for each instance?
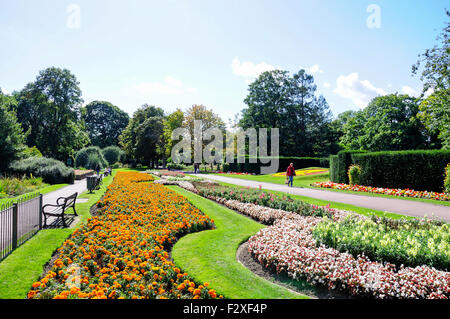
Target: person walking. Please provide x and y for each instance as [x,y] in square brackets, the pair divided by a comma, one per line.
[195,168]
[290,173]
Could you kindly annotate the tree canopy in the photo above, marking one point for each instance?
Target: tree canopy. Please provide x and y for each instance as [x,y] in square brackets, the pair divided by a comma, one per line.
[49,109]
[290,103]
[104,123]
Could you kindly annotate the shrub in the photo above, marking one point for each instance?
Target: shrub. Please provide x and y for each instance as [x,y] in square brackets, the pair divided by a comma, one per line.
[82,157]
[354,174]
[12,186]
[52,171]
[418,170]
[31,152]
[447,179]
[341,164]
[175,166]
[94,161]
[113,154]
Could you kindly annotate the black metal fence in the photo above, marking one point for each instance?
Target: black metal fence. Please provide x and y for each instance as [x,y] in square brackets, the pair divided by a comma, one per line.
[19,221]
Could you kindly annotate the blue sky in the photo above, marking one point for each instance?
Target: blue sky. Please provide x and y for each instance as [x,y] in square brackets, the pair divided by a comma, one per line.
[178,53]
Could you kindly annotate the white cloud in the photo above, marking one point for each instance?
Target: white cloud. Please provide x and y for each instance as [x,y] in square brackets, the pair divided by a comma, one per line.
[409,91]
[361,92]
[327,85]
[249,69]
[4,91]
[314,69]
[170,86]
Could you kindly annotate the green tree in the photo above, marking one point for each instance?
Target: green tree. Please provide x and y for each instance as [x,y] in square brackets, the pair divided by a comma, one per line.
[435,114]
[49,110]
[388,123]
[12,139]
[171,122]
[435,63]
[139,132]
[276,100]
[104,123]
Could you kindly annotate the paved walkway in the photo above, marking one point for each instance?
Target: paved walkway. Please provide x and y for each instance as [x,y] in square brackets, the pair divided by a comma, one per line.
[79,186]
[399,206]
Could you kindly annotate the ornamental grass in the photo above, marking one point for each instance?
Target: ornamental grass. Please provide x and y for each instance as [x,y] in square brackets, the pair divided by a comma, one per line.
[122,252]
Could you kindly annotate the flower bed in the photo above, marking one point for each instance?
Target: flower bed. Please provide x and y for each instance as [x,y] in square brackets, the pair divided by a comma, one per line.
[289,246]
[234,173]
[262,198]
[413,243]
[122,252]
[385,191]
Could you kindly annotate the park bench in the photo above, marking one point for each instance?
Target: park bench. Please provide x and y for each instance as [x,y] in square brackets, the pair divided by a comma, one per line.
[59,210]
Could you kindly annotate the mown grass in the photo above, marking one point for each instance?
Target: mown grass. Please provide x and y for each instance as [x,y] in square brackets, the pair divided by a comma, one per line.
[321,202]
[25,265]
[210,256]
[306,181]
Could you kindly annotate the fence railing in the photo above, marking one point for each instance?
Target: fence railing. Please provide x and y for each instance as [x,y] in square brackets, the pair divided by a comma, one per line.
[19,221]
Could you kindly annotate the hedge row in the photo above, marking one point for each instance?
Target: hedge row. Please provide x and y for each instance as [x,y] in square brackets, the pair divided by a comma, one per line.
[52,171]
[419,170]
[255,168]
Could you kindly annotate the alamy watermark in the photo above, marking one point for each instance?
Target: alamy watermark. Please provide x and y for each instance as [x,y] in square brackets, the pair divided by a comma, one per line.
[212,146]
[74,16]
[374,19]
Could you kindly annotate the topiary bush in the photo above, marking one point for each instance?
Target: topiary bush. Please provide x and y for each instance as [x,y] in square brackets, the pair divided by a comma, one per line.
[52,171]
[447,179]
[82,157]
[354,174]
[113,154]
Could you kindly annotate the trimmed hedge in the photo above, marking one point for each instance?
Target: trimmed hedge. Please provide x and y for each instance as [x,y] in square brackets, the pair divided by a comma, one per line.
[299,162]
[338,173]
[419,170]
[52,171]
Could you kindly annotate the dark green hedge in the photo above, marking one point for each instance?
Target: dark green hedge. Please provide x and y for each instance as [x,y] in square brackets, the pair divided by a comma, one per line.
[52,171]
[334,168]
[418,170]
[341,163]
[299,162]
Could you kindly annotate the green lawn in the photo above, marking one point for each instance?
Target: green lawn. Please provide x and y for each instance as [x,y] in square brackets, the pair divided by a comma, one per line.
[306,181]
[25,265]
[45,190]
[210,256]
[320,202]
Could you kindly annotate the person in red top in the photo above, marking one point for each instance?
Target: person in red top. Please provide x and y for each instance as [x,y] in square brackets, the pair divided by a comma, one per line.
[290,173]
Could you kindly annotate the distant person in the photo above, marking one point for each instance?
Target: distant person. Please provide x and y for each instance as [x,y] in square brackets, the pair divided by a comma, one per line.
[195,168]
[97,169]
[290,173]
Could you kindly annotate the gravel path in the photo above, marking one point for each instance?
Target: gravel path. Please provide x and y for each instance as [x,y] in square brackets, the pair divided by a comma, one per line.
[399,206]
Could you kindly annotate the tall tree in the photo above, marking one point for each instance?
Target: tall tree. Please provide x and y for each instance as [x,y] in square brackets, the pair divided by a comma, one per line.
[104,122]
[388,123]
[435,114]
[276,100]
[436,63]
[49,110]
[171,122]
[12,139]
[146,123]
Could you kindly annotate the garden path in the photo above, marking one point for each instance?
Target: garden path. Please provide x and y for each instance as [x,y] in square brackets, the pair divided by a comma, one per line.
[399,206]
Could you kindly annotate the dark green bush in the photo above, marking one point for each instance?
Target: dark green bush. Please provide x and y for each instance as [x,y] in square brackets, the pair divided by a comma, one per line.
[52,171]
[334,168]
[82,157]
[418,170]
[112,154]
